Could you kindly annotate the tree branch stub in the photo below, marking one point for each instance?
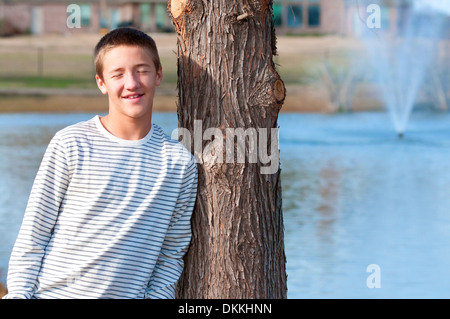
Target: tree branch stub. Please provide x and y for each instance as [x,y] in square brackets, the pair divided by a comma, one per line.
[279,90]
[177,7]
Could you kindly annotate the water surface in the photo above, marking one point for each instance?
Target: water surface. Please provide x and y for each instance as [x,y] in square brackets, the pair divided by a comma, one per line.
[353,195]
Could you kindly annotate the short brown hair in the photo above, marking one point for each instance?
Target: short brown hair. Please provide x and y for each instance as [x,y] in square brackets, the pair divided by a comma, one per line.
[124,36]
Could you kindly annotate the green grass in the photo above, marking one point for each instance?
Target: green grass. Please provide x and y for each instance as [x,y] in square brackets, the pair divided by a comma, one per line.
[46,82]
[23,70]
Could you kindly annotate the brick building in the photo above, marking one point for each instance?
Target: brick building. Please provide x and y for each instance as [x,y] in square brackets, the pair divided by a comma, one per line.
[51,16]
[341,17]
[309,16]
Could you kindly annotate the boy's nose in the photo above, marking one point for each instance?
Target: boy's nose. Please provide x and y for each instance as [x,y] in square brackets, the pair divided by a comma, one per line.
[131,81]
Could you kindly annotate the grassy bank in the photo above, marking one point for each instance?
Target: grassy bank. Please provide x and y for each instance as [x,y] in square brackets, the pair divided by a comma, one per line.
[58,82]
[312,68]
[63,103]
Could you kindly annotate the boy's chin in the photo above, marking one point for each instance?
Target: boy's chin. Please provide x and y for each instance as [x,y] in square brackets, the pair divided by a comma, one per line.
[138,112]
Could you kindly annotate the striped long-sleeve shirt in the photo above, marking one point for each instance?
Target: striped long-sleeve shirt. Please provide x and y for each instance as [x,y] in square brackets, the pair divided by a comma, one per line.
[106,217]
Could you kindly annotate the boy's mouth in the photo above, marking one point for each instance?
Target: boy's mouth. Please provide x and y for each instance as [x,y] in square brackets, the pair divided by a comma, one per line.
[132,96]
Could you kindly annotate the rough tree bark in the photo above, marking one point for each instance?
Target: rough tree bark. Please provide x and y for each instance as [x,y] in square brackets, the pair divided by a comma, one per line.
[227,79]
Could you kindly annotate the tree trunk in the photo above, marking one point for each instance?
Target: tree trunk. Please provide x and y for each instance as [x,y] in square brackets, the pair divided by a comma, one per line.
[229,98]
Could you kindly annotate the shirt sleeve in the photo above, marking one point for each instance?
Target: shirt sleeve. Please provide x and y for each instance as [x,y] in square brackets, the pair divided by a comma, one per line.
[40,217]
[170,264]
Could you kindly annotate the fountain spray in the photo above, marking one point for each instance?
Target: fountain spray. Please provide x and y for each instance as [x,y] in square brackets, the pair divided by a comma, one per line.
[401,59]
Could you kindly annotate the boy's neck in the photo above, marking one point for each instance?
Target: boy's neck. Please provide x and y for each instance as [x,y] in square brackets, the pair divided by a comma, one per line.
[126,128]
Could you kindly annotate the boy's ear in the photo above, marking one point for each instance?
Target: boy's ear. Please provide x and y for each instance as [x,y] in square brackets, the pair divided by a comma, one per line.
[101,84]
[159,76]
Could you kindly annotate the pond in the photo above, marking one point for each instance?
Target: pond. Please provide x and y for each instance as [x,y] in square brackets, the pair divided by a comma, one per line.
[367,215]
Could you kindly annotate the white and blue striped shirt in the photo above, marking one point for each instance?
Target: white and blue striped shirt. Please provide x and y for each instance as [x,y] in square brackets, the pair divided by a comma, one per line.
[106,217]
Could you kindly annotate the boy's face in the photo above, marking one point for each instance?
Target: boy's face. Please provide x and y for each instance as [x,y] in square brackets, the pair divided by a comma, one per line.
[129,79]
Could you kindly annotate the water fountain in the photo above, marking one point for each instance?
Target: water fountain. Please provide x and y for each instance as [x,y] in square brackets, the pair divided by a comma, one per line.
[400,55]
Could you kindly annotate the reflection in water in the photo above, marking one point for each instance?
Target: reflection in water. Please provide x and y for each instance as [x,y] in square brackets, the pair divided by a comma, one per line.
[329,184]
[353,195]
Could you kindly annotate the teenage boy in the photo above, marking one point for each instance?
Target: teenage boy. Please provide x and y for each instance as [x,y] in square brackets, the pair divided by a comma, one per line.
[109,211]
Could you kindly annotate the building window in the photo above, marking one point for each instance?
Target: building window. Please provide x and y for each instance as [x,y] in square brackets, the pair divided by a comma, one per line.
[313,15]
[161,15]
[145,13]
[277,15]
[85,15]
[294,16]
[297,14]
